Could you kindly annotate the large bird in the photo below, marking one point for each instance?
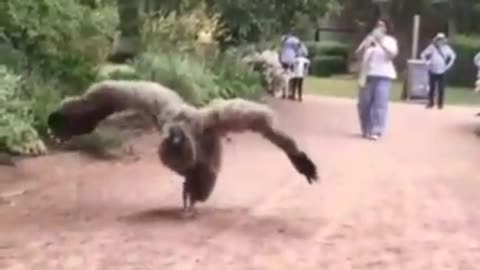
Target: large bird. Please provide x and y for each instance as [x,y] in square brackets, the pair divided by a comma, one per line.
[191,136]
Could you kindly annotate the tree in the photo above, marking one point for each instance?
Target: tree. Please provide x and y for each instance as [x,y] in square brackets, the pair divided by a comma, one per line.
[127,41]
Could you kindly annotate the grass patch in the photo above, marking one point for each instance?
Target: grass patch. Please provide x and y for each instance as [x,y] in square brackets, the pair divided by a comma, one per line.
[346,86]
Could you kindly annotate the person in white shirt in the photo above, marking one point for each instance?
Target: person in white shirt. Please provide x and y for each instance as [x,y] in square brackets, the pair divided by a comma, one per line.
[476,61]
[379,50]
[440,57]
[301,64]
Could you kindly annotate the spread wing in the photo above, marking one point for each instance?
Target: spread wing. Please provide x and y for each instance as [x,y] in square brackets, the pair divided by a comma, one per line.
[82,114]
[238,115]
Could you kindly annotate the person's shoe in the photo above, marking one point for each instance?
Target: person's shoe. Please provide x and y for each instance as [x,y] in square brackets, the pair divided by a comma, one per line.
[373,137]
[429,106]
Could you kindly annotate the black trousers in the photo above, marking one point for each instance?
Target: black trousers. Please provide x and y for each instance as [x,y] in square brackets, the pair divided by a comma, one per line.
[437,86]
[296,87]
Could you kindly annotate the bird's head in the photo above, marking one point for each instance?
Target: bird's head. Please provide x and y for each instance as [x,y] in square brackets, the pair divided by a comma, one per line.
[178,146]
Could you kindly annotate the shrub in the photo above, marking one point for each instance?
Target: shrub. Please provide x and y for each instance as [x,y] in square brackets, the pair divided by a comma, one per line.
[180,31]
[330,48]
[198,81]
[326,65]
[63,37]
[236,78]
[17,122]
[117,72]
[44,96]
[328,57]
[463,72]
[181,72]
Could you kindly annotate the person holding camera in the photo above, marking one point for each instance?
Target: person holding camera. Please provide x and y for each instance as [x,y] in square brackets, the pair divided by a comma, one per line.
[377,73]
[440,58]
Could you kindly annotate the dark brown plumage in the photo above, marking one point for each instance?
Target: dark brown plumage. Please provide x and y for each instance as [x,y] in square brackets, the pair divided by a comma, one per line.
[191,137]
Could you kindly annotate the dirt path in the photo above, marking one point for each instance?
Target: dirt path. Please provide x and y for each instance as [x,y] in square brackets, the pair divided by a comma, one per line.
[406,202]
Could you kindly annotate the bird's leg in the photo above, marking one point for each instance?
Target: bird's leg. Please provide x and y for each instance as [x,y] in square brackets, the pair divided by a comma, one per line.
[188,204]
[185,196]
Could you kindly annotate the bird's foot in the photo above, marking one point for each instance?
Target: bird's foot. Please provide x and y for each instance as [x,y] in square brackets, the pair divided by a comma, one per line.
[189,213]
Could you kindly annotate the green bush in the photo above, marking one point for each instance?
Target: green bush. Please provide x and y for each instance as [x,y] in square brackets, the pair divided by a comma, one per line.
[50,49]
[199,81]
[181,72]
[235,78]
[328,57]
[17,122]
[463,72]
[327,65]
[330,48]
[63,37]
[117,72]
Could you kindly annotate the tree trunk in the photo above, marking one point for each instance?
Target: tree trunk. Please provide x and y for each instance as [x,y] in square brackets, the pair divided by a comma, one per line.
[127,42]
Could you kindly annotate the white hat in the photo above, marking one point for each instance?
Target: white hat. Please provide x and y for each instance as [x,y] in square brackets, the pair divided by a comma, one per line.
[440,36]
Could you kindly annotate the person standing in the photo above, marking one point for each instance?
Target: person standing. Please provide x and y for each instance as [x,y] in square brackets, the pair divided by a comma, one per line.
[289,50]
[440,58]
[300,70]
[476,61]
[380,50]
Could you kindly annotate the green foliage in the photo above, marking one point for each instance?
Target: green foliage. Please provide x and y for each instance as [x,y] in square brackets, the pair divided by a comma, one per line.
[198,80]
[180,31]
[331,48]
[182,72]
[254,21]
[17,122]
[117,72]
[328,57]
[64,37]
[327,65]
[182,54]
[235,78]
[463,72]
[54,46]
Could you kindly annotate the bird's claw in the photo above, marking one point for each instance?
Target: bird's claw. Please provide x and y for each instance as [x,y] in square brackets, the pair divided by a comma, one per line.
[188,213]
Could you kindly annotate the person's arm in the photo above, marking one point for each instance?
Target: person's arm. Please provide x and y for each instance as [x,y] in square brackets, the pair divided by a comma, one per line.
[453,57]
[426,53]
[307,66]
[389,45]
[363,46]
[362,73]
[476,60]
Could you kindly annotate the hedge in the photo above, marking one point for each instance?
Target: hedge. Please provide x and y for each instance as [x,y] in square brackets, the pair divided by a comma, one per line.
[331,48]
[328,57]
[463,72]
[327,65]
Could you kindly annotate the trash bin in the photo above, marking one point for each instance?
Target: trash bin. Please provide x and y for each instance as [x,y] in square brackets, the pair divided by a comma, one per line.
[417,79]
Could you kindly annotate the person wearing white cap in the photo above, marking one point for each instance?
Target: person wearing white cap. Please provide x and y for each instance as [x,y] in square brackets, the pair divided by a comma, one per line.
[440,58]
